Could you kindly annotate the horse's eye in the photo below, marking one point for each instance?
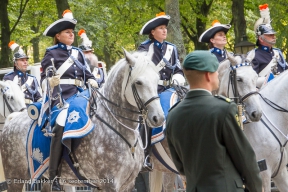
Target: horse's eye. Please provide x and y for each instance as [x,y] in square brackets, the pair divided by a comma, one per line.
[138,82]
[239,80]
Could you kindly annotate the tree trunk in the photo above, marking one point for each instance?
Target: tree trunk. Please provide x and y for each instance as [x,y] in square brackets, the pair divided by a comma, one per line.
[175,35]
[61,6]
[238,19]
[5,35]
[35,41]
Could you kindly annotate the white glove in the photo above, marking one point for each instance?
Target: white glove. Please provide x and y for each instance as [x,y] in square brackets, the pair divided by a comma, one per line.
[93,83]
[54,81]
[178,78]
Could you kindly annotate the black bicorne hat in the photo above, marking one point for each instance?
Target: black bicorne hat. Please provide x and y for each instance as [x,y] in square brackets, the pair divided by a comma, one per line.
[160,19]
[209,33]
[67,22]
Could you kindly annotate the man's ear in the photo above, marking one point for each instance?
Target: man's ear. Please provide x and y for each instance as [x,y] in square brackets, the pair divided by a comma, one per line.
[207,76]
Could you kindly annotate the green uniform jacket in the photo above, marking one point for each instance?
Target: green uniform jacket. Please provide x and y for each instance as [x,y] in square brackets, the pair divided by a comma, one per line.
[208,146]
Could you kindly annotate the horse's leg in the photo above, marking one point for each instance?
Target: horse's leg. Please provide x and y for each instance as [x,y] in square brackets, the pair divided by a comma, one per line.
[155,181]
[15,187]
[281,180]
[168,182]
[266,180]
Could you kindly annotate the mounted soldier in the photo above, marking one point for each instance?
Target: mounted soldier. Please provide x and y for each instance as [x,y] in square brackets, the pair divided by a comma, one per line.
[64,77]
[215,36]
[91,58]
[267,60]
[165,56]
[20,76]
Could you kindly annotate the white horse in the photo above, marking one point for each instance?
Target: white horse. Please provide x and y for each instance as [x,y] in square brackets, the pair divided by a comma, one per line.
[10,101]
[243,84]
[269,136]
[264,143]
[246,87]
[103,154]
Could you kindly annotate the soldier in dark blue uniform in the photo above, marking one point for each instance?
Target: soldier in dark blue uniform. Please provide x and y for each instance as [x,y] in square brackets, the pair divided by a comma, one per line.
[72,75]
[204,136]
[91,58]
[161,52]
[27,82]
[164,55]
[215,36]
[265,57]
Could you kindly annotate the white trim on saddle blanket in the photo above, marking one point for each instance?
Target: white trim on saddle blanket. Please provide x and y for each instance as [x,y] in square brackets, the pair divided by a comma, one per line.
[167,99]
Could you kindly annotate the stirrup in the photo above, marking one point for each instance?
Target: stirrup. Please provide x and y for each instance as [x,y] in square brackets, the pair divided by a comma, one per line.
[147,166]
[55,180]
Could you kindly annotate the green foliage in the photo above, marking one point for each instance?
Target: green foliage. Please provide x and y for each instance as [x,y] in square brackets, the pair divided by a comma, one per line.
[113,24]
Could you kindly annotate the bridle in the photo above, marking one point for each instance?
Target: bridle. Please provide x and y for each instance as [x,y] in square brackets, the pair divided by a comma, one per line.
[239,100]
[142,111]
[6,103]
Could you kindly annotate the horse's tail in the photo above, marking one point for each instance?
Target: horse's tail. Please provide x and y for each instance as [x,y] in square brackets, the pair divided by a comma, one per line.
[156,180]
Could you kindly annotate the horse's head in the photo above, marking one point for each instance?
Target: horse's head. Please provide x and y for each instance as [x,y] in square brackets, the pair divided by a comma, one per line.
[12,98]
[246,79]
[139,87]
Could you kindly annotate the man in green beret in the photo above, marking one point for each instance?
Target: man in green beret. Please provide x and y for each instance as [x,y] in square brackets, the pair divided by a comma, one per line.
[206,142]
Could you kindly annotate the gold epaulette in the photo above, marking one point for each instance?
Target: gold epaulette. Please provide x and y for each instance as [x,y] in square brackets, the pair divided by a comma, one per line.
[223,98]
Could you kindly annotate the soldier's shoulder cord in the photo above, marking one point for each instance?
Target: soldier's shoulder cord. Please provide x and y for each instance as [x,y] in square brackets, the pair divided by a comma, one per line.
[228,100]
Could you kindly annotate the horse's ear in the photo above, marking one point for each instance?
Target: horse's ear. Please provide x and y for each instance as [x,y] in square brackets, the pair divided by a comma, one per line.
[129,58]
[232,59]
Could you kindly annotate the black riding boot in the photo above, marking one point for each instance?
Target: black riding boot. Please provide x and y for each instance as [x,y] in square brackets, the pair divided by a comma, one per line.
[147,165]
[55,157]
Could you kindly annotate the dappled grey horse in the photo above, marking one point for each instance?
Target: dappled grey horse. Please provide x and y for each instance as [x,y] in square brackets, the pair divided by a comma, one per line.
[111,160]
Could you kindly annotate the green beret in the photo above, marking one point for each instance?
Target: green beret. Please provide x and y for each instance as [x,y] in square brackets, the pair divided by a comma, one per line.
[201,60]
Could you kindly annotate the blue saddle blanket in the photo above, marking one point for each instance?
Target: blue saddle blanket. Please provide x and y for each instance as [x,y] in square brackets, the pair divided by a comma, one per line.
[167,99]
[78,124]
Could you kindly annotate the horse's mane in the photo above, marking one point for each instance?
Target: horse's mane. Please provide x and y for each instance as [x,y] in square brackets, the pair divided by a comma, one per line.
[141,63]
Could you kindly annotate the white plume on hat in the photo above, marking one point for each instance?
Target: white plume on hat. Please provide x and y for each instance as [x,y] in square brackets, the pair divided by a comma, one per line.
[67,14]
[12,45]
[86,44]
[85,39]
[265,16]
[18,52]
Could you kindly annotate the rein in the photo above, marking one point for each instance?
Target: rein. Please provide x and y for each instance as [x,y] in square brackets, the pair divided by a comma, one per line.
[239,100]
[142,112]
